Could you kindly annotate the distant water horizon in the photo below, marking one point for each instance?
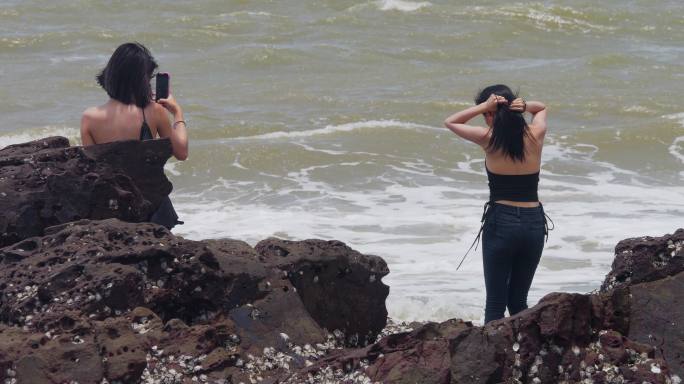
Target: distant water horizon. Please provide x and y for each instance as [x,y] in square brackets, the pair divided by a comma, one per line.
[324,120]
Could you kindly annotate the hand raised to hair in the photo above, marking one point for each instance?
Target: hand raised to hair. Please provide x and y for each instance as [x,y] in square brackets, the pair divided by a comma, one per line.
[493,102]
[517,105]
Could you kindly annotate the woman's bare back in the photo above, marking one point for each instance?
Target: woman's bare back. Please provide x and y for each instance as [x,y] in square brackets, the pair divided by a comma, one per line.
[115,121]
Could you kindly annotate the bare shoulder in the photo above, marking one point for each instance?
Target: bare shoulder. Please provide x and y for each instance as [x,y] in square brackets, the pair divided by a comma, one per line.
[94,114]
[155,107]
[156,111]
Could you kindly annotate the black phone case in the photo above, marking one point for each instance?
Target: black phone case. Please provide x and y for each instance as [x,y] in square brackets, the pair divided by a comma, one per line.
[162,91]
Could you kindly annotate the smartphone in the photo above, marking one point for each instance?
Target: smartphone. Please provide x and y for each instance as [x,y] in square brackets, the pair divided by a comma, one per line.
[163,86]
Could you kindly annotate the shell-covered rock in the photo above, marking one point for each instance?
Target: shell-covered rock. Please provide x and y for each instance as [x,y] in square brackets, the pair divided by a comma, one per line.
[138,298]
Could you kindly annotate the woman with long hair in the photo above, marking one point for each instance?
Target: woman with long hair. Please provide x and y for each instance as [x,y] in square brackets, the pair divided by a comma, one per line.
[514,223]
[132,114]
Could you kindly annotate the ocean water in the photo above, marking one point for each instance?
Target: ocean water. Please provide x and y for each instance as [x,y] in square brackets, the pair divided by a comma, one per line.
[323,119]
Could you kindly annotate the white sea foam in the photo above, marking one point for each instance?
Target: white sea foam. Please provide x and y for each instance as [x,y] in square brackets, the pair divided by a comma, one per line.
[61,59]
[676,116]
[73,134]
[545,19]
[247,13]
[677,148]
[401,5]
[170,167]
[422,230]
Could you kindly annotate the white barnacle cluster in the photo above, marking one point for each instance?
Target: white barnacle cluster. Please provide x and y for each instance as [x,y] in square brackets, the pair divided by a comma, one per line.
[392,328]
[258,366]
[674,247]
[28,292]
[328,375]
[609,372]
[174,369]
[10,376]
[142,325]
[516,372]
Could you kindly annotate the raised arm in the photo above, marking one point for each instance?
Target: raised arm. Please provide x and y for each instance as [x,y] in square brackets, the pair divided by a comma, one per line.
[176,131]
[538,111]
[478,135]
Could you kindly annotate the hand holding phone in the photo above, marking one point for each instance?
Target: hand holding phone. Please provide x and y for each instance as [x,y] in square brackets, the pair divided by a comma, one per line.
[163,86]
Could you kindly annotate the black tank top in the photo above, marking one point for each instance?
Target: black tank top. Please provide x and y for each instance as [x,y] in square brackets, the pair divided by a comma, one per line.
[145,131]
[521,188]
[165,215]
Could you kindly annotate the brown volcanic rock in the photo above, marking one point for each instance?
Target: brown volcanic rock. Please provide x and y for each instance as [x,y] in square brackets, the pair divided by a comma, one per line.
[418,356]
[657,318]
[117,300]
[552,342]
[631,333]
[46,182]
[644,259]
[341,288]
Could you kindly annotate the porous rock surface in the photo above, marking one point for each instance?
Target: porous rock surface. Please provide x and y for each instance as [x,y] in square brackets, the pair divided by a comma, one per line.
[46,182]
[630,332]
[124,302]
[110,301]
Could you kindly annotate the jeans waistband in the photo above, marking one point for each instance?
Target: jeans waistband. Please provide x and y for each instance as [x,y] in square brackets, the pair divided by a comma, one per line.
[490,206]
[516,210]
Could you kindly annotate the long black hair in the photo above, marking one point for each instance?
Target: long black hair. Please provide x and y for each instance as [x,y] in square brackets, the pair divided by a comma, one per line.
[509,128]
[126,77]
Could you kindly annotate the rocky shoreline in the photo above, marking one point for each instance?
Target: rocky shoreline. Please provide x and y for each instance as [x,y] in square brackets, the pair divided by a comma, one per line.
[89,293]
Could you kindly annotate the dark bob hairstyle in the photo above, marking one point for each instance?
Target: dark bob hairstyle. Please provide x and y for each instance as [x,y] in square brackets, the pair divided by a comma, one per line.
[509,128]
[126,77]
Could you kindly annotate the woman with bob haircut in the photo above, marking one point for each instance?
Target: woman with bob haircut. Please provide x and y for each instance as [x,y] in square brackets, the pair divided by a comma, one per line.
[132,114]
[514,224]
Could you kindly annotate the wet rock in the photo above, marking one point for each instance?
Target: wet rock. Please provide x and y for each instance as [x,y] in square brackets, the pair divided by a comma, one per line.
[657,319]
[131,300]
[326,274]
[122,349]
[33,357]
[644,259]
[45,182]
[629,333]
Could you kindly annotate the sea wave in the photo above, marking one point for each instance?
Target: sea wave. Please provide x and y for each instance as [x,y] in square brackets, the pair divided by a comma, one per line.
[332,129]
[545,18]
[73,134]
[392,5]
[677,148]
[421,217]
[676,116]
[401,5]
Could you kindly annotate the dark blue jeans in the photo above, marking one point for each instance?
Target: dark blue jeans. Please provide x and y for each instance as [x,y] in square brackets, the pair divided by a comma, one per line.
[512,244]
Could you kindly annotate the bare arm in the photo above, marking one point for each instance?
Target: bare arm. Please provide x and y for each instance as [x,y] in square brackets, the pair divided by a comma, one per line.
[478,135]
[86,136]
[176,131]
[538,111]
